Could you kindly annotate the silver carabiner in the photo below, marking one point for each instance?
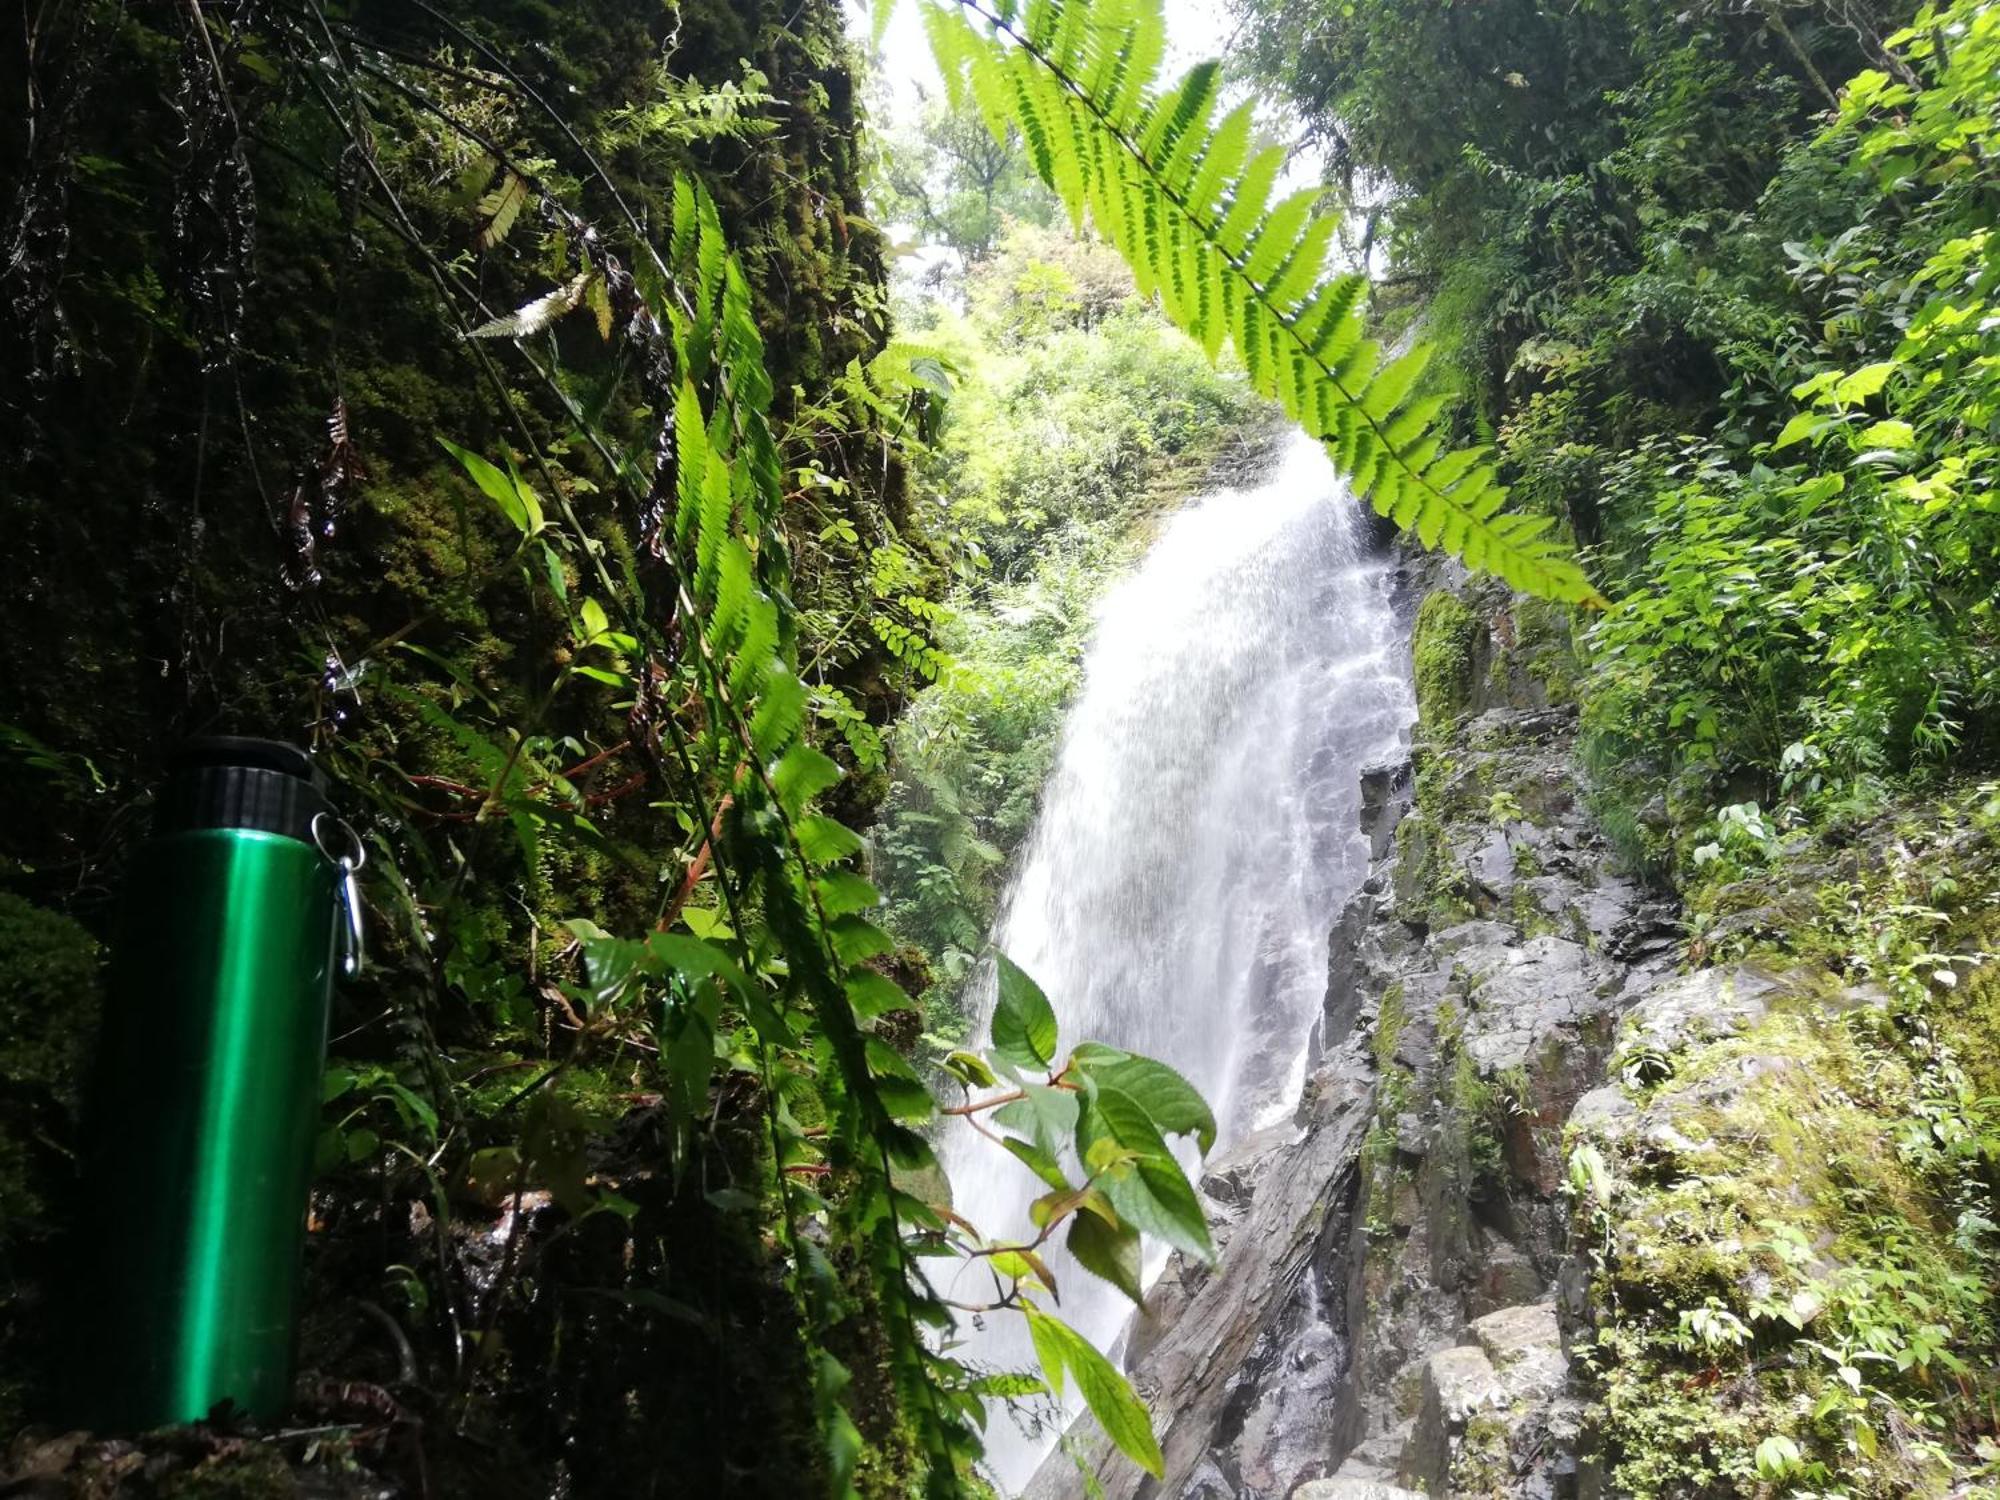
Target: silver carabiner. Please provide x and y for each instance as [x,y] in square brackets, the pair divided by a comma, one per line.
[352,951]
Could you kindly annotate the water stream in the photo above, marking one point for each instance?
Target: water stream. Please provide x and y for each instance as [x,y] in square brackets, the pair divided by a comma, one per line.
[1198,836]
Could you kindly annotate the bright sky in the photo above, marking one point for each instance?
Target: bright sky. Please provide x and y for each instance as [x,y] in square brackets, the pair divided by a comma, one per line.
[1196,30]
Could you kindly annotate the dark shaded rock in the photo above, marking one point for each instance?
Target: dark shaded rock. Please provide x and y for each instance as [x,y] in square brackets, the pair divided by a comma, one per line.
[1385,798]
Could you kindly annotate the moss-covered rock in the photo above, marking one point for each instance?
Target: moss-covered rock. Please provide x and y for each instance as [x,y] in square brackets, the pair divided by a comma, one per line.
[1446,651]
[1786,1203]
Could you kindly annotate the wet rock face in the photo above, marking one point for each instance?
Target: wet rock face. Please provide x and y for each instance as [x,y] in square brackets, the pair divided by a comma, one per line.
[1383,1318]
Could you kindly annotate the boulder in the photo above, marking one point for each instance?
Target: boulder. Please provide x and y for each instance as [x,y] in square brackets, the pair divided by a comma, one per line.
[1491,1406]
[1459,1384]
[1688,1009]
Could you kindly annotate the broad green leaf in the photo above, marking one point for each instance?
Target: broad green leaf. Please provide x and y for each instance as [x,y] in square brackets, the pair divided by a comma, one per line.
[842,891]
[1863,383]
[1798,429]
[1153,1193]
[801,775]
[1038,1161]
[823,841]
[871,995]
[1107,1393]
[970,1068]
[1024,1024]
[856,939]
[1048,1115]
[1107,1252]
[1174,1104]
[1892,434]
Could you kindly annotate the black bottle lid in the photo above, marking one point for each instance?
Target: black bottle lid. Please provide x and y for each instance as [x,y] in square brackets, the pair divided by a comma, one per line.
[230,781]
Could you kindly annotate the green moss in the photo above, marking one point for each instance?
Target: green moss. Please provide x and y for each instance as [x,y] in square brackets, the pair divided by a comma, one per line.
[1784,1186]
[1389,1023]
[1481,1464]
[1472,1105]
[48,1018]
[1447,635]
[250,1471]
[48,1013]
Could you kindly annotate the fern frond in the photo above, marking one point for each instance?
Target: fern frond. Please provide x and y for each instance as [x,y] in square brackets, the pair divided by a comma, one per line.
[1187,203]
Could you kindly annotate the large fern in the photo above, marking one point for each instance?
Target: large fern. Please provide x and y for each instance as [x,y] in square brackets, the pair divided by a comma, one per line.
[1186,200]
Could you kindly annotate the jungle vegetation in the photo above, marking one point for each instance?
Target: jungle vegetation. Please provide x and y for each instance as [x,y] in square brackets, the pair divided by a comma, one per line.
[506,399]
[1718,283]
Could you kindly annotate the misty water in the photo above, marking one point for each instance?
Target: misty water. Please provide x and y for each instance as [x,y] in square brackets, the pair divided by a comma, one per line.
[1198,836]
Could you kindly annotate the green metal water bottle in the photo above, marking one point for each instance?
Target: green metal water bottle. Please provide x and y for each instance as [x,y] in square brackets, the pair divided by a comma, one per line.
[238,910]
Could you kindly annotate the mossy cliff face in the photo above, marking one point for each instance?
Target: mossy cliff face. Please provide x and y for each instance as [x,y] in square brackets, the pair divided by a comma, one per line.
[1769,1225]
[1581,1206]
[1783,1267]
[164,586]
[159,430]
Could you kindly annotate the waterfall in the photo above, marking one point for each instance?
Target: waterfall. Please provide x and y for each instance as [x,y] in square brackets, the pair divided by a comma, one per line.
[1199,834]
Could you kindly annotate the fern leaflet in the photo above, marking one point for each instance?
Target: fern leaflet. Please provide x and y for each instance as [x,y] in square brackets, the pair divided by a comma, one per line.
[1187,203]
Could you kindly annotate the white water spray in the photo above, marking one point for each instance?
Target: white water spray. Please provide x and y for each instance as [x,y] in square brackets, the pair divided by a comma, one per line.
[1199,834]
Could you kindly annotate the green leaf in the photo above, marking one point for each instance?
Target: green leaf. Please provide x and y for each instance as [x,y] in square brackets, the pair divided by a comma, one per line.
[1112,1253]
[494,484]
[1863,383]
[1024,1024]
[1892,434]
[1107,1393]
[842,891]
[856,940]
[1038,1161]
[1174,1104]
[1777,1456]
[1048,1349]
[532,317]
[970,1068]
[1152,1192]
[1801,427]
[870,995]
[896,1084]
[801,775]
[780,712]
[823,841]
[1047,1114]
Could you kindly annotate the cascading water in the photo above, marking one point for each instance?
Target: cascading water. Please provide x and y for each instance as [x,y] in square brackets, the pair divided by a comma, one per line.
[1199,833]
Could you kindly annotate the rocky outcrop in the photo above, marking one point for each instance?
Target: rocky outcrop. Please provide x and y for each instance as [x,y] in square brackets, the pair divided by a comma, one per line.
[1383,1319]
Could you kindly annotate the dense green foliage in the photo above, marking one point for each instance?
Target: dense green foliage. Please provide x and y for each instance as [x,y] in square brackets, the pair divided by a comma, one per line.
[500,398]
[953,183]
